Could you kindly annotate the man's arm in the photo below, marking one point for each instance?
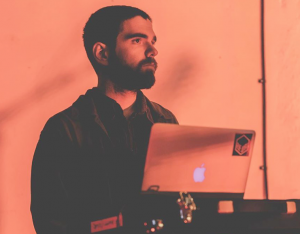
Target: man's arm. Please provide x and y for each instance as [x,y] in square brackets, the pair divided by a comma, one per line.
[48,196]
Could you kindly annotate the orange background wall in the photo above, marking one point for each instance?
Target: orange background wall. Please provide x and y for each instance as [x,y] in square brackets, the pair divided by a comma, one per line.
[209,66]
[283,97]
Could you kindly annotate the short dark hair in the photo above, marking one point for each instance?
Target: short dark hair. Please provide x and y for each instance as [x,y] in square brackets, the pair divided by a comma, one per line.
[104,26]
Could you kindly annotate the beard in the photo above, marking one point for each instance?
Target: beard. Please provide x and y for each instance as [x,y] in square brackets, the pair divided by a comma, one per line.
[125,77]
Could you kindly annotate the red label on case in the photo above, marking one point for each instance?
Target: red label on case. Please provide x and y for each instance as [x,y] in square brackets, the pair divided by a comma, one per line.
[106,224]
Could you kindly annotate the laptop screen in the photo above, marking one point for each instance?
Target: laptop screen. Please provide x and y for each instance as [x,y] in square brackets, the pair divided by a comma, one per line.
[202,160]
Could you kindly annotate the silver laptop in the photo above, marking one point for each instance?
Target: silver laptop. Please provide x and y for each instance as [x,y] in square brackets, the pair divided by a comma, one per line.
[197,160]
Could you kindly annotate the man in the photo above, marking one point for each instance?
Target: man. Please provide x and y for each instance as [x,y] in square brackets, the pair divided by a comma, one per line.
[89,160]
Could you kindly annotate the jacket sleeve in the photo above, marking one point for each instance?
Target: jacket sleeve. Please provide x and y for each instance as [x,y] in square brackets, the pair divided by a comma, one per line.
[48,196]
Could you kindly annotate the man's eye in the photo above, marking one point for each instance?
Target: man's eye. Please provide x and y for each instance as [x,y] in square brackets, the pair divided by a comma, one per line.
[136,41]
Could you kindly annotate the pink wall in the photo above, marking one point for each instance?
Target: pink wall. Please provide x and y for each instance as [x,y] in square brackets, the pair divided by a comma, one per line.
[209,64]
[283,97]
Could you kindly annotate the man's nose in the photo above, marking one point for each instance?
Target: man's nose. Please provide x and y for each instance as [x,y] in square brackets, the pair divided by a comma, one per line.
[151,51]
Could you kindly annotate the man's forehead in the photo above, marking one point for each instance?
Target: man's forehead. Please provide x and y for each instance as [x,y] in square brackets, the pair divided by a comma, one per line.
[137,24]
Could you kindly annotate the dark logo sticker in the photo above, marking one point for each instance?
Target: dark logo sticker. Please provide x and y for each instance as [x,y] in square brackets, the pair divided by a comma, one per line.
[242,143]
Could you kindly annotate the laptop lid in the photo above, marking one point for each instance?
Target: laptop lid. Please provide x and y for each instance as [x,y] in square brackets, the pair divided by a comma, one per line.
[211,162]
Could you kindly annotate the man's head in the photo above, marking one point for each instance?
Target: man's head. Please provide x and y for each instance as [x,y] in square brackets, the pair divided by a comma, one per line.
[119,41]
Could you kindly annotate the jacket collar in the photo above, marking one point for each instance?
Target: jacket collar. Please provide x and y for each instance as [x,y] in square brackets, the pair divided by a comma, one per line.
[94,104]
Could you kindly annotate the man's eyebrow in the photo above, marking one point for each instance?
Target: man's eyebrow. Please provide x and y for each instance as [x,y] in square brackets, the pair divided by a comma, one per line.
[133,35]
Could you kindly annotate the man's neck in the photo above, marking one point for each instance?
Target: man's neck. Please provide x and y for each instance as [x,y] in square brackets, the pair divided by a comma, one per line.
[125,98]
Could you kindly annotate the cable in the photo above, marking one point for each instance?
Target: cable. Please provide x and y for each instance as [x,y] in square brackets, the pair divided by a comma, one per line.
[263,82]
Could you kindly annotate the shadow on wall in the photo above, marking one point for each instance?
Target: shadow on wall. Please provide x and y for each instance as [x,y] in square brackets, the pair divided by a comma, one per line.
[180,78]
[40,92]
[56,75]
[51,78]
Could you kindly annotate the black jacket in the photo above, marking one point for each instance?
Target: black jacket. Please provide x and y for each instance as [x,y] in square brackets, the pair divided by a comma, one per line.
[89,162]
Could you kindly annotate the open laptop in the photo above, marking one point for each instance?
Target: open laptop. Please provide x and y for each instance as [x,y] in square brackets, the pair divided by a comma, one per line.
[210,162]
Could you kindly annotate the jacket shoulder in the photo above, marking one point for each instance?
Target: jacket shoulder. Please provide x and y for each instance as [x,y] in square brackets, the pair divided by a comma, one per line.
[67,122]
[163,112]
[59,124]
[81,108]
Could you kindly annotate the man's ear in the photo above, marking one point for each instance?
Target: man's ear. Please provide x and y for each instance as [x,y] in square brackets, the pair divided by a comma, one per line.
[100,52]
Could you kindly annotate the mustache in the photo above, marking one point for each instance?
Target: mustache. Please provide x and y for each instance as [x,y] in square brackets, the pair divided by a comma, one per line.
[148,61]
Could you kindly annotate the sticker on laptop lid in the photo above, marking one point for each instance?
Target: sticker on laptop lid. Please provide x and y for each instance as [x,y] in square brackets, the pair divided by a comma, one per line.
[242,144]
